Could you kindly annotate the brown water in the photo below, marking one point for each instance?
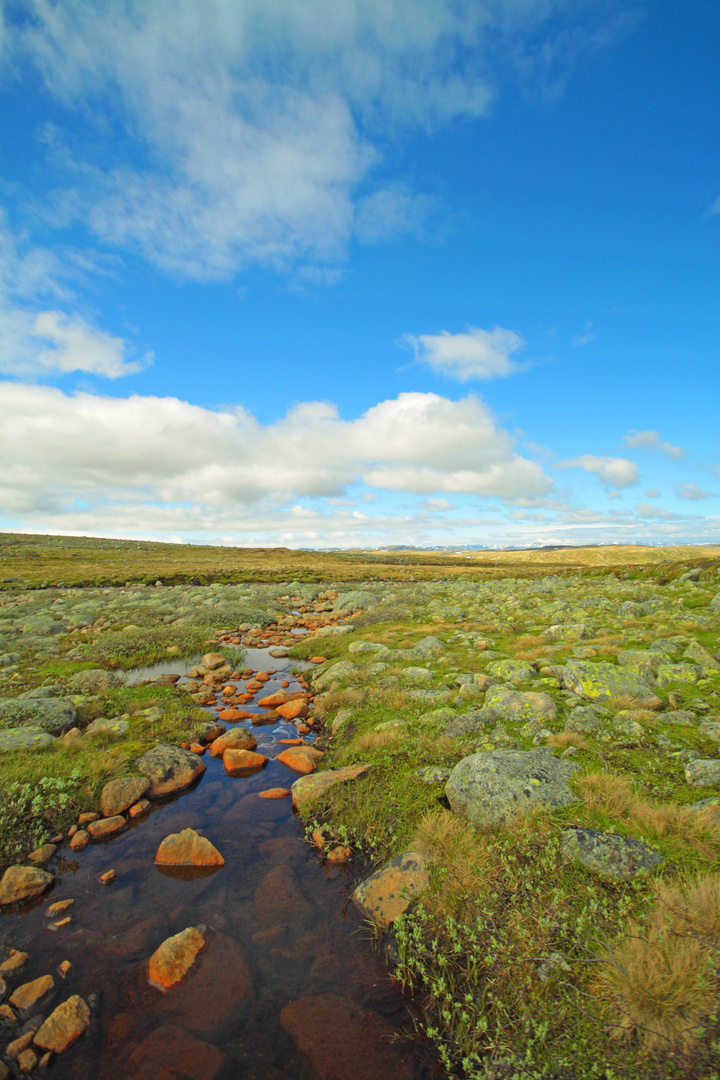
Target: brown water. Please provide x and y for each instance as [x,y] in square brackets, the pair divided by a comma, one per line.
[282,933]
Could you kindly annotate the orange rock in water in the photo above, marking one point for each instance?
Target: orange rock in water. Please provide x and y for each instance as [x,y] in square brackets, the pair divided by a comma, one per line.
[196,748]
[291,742]
[79,841]
[175,957]
[274,793]
[301,759]
[106,827]
[29,994]
[338,854]
[187,848]
[317,659]
[303,729]
[238,739]
[108,877]
[280,697]
[284,683]
[243,762]
[233,715]
[292,710]
[64,1026]
[140,807]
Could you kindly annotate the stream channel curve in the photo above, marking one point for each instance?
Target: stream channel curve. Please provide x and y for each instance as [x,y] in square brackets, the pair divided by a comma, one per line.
[287,986]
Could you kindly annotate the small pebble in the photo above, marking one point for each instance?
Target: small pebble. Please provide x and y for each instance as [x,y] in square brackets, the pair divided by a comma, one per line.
[64,968]
[108,877]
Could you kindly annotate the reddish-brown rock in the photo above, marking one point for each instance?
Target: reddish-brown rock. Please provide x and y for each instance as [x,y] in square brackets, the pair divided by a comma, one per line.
[308,788]
[213,994]
[25,997]
[293,710]
[301,759]
[16,959]
[108,877]
[233,715]
[237,739]
[274,793]
[80,840]
[187,848]
[344,1041]
[98,830]
[119,795]
[58,907]
[23,883]
[280,697]
[64,1026]
[243,762]
[139,808]
[169,964]
[171,1053]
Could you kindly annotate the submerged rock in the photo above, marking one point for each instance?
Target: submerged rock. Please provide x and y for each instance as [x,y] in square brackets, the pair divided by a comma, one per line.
[64,1026]
[187,848]
[171,1053]
[169,964]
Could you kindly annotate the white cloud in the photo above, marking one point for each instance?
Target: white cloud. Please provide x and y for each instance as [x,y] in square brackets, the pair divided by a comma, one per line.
[613,472]
[238,131]
[647,510]
[586,337]
[436,506]
[139,450]
[651,493]
[691,491]
[38,341]
[477,354]
[650,440]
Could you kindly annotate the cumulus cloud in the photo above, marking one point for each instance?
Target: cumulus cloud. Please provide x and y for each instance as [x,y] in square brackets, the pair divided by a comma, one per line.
[37,340]
[139,450]
[650,440]
[613,472]
[652,493]
[691,491]
[476,354]
[252,130]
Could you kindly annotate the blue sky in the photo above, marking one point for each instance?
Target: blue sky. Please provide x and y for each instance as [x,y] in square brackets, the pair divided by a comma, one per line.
[360,272]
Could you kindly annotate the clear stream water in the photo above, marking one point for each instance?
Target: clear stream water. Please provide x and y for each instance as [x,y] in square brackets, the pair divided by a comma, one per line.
[282,929]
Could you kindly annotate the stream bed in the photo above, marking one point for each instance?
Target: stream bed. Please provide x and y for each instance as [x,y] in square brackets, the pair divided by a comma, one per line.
[288,986]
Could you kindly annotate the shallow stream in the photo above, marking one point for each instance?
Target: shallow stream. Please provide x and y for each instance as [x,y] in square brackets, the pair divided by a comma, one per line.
[284,935]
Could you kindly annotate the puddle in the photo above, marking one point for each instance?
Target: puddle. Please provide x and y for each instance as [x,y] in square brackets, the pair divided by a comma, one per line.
[283,935]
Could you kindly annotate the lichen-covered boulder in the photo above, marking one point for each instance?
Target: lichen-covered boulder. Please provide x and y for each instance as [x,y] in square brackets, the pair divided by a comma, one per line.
[513,671]
[25,738]
[677,673]
[601,681]
[388,892]
[517,706]
[308,788]
[23,883]
[618,858]
[703,772]
[491,786]
[338,673]
[54,715]
[169,769]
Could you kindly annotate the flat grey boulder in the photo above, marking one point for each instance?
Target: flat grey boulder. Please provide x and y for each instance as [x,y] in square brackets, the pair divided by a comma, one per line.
[677,673]
[355,600]
[25,738]
[54,715]
[493,785]
[703,772]
[93,681]
[513,671]
[368,647]
[169,769]
[518,706]
[619,858]
[600,681]
[338,673]
[112,728]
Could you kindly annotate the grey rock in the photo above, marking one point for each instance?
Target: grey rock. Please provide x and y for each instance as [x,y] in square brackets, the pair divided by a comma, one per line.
[489,787]
[703,772]
[517,706]
[417,675]
[704,659]
[427,697]
[355,600]
[677,673]
[54,715]
[430,644]
[618,858]
[676,716]
[513,671]
[25,738]
[93,681]
[433,774]
[169,769]
[600,681]
[338,673]
[368,647]
[584,719]
[112,728]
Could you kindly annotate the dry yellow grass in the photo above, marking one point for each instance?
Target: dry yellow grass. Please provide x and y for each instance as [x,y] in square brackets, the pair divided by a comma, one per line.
[563,739]
[463,863]
[376,740]
[612,794]
[663,977]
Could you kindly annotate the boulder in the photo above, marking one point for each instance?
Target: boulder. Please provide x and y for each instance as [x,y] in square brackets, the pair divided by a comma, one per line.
[169,964]
[388,892]
[516,706]
[344,1041]
[300,759]
[565,632]
[119,795]
[187,848]
[169,769]
[293,710]
[64,1026]
[237,739]
[600,681]
[243,762]
[110,728]
[488,787]
[677,673]
[171,1053]
[355,600]
[53,715]
[213,994]
[94,681]
[99,830]
[213,661]
[702,657]
[23,883]
[513,671]
[618,858]
[338,673]
[308,788]
[25,738]
[26,997]
[703,772]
